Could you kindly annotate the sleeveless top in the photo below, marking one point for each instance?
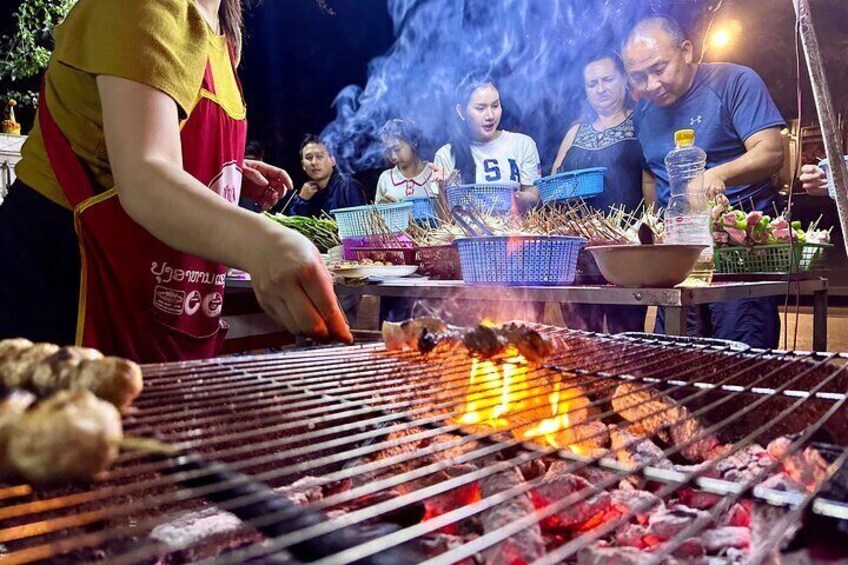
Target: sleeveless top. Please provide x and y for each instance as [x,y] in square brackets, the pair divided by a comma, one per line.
[618,150]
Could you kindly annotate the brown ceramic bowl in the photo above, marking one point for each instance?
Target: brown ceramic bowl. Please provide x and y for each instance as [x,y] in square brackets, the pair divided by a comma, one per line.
[646,266]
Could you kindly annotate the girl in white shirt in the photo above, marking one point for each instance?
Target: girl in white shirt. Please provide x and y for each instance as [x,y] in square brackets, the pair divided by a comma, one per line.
[484,154]
[410,176]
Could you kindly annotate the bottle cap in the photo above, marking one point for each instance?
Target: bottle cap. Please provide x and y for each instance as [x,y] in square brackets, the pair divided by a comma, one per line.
[684,137]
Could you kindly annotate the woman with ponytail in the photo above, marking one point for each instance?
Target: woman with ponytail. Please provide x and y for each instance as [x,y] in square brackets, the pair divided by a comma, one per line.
[479,152]
[124,217]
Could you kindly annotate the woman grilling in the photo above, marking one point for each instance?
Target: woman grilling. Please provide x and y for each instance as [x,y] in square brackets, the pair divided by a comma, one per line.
[606,138]
[410,176]
[124,214]
[481,153]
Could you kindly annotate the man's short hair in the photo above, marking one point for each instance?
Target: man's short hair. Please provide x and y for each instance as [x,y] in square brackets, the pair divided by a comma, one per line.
[310,139]
[667,24]
[254,149]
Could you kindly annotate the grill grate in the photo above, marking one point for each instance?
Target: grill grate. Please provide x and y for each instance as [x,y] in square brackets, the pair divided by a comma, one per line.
[376,433]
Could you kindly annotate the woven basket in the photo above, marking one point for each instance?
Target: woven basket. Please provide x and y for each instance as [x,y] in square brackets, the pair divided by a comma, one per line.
[777,258]
[423,208]
[581,183]
[359,220]
[440,262]
[392,241]
[487,198]
[519,260]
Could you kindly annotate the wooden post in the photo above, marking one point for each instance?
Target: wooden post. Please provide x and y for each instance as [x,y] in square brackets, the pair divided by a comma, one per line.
[827,115]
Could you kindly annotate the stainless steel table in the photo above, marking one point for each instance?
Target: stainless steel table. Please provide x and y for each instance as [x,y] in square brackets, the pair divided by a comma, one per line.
[674,300]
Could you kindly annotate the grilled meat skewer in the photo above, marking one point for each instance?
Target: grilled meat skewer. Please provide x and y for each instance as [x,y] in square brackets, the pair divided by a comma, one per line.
[44,368]
[427,334]
[73,435]
[11,409]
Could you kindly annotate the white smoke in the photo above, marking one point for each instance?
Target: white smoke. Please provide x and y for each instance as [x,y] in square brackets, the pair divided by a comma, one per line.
[533,48]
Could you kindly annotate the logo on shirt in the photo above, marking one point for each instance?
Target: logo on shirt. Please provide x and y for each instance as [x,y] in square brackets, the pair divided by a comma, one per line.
[228,182]
[697,120]
[212,304]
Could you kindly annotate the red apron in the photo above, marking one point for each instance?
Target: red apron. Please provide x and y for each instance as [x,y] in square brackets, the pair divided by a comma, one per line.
[139,298]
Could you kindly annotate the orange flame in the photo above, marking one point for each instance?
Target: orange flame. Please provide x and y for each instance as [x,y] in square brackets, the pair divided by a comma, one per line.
[499,397]
[550,427]
[495,392]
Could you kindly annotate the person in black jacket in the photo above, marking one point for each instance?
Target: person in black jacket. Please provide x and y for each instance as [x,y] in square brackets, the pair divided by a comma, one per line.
[327,188]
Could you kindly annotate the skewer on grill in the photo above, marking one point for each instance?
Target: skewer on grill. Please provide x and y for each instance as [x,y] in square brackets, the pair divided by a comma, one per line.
[427,334]
[45,368]
[71,436]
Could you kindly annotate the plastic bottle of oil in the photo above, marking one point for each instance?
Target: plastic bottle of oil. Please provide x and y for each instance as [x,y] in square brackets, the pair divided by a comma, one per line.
[687,218]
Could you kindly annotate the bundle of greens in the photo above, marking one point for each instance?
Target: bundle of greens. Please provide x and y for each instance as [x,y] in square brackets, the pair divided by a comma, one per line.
[323,232]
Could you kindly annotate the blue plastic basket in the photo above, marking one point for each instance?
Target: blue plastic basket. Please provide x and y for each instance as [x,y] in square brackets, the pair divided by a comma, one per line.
[524,260]
[824,165]
[423,208]
[359,222]
[487,198]
[581,183]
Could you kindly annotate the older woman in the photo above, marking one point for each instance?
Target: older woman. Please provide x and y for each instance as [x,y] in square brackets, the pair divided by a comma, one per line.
[606,138]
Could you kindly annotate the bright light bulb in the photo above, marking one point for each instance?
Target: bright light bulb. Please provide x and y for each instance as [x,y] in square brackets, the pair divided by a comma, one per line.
[720,38]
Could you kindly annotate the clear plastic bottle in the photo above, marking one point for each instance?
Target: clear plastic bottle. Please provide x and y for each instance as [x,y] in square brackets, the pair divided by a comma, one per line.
[687,217]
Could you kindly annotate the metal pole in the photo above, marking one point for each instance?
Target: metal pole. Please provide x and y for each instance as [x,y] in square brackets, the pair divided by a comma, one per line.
[827,116]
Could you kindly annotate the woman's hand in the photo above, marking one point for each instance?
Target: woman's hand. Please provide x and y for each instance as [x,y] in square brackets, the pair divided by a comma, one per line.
[443,177]
[814,180]
[293,286]
[264,184]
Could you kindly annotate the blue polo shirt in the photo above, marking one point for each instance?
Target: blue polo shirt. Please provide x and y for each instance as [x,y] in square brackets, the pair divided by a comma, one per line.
[726,105]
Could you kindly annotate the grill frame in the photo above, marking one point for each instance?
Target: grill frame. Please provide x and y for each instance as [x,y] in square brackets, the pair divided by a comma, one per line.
[312,379]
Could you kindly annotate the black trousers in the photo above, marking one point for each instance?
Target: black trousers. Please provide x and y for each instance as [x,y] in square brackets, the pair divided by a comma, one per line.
[40,266]
[590,317]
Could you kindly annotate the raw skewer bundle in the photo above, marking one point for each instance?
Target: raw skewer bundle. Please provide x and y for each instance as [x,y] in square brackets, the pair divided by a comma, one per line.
[44,368]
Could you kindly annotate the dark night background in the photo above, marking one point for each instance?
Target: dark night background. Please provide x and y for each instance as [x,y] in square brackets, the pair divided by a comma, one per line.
[297,58]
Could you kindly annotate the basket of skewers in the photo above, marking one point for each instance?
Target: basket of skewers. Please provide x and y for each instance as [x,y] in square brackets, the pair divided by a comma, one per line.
[757,243]
[519,260]
[424,209]
[362,221]
[488,198]
[581,183]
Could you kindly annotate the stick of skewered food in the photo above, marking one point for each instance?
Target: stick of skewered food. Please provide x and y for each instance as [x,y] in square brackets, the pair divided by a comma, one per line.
[45,368]
[73,435]
[11,409]
[428,334]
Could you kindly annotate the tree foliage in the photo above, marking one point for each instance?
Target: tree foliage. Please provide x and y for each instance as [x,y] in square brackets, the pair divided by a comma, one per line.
[27,51]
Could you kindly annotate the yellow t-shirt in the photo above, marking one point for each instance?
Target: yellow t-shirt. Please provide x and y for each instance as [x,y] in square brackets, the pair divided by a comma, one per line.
[164,44]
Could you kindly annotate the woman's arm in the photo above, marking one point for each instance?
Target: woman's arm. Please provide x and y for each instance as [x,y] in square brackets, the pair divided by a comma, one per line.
[141,126]
[564,147]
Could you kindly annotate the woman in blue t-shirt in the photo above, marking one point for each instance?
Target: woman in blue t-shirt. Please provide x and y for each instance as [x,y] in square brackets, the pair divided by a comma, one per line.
[605,137]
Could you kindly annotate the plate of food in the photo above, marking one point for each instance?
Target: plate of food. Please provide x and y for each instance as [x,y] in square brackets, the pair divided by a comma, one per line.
[364,269]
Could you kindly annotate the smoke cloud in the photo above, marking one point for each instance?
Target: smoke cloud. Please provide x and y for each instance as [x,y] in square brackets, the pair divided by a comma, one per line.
[533,48]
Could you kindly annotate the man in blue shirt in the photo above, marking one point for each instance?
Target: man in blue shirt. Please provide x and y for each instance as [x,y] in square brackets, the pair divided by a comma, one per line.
[735,121]
[327,189]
